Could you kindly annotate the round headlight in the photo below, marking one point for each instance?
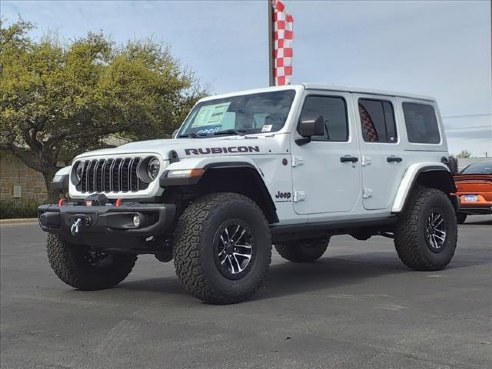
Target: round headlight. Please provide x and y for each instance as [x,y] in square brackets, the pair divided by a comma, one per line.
[153,167]
[77,172]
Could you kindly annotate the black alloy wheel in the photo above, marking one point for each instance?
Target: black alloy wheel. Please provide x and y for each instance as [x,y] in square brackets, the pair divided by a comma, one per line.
[234,249]
[435,231]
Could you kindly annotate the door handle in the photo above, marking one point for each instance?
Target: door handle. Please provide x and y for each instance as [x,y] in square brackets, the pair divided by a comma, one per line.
[348,158]
[394,159]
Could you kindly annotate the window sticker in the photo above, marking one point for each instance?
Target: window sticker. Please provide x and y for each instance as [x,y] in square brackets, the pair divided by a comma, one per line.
[267,128]
[207,130]
[210,115]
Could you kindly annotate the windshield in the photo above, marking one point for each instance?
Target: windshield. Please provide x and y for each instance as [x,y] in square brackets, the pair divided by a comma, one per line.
[255,113]
[478,168]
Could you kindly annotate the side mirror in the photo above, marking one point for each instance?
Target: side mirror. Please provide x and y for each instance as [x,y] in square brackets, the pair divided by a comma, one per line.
[309,128]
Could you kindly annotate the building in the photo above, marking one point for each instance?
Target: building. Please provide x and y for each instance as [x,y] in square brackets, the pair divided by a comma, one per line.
[18,181]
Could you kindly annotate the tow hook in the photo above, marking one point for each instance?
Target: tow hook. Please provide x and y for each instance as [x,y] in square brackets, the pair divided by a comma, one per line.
[75,228]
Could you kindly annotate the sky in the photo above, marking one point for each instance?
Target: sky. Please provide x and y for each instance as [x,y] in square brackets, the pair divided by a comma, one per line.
[435,48]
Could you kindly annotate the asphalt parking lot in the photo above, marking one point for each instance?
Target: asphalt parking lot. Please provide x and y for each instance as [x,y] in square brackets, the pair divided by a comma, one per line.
[358,307]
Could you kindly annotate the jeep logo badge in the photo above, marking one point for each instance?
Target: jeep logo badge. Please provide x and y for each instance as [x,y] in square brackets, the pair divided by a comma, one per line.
[283,195]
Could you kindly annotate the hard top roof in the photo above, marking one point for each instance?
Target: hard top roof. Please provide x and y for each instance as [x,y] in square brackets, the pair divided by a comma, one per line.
[314,86]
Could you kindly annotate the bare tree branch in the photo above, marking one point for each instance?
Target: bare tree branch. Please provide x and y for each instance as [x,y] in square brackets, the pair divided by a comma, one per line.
[27,157]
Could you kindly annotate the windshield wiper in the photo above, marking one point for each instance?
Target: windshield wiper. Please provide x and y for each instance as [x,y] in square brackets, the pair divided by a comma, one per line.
[238,132]
[193,135]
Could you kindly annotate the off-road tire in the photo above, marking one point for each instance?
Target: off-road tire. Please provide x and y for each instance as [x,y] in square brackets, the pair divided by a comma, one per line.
[461,217]
[70,263]
[410,234]
[195,242]
[303,251]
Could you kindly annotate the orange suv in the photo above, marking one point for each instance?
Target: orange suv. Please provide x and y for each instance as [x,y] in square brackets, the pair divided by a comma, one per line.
[474,188]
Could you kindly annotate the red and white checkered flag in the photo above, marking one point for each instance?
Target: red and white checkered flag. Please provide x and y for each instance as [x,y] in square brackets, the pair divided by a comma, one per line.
[283,35]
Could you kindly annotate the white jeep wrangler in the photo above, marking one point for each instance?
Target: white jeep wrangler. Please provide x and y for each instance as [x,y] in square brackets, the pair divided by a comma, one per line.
[289,166]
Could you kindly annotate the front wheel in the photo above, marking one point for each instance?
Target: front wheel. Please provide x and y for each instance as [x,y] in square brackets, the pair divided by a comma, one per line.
[222,248]
[85,268]
[303,251]
[426,234]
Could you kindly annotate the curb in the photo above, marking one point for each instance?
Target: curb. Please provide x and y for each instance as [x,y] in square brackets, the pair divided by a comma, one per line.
[19,221]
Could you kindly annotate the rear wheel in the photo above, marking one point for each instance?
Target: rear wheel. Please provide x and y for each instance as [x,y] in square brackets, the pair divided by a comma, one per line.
[85,268]
[303,251]
[461,217]
[426,234]
[222,248]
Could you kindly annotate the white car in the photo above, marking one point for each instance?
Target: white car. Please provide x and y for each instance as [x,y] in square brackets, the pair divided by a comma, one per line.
[289,166]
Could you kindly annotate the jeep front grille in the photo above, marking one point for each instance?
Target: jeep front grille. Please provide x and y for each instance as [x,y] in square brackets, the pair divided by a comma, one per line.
[111,175]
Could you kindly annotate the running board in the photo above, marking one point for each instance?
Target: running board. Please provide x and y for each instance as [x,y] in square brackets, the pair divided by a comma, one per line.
[325,229]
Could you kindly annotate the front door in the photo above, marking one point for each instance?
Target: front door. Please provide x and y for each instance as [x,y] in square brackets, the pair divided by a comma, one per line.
[326,171]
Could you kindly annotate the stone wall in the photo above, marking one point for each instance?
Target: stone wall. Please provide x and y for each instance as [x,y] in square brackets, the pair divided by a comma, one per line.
[18,181]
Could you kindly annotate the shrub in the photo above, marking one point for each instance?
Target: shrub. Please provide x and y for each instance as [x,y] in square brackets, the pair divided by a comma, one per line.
[11,209]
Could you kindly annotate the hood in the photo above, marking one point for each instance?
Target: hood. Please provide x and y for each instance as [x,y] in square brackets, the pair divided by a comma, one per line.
[195,147]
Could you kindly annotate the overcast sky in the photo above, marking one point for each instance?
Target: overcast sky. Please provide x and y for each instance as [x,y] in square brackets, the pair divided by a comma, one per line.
[436,48]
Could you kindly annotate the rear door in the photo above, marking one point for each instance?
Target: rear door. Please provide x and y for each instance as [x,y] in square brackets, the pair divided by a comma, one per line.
[382,159]
[326,171]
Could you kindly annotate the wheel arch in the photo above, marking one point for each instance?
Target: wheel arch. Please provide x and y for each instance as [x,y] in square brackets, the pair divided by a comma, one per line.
[242,177]
[431,175]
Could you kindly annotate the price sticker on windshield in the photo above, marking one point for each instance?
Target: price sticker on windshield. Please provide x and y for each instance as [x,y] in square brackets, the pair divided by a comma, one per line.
[210,115]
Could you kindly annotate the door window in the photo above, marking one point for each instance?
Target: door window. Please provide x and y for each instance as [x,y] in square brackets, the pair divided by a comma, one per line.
[377,120]
[334,112]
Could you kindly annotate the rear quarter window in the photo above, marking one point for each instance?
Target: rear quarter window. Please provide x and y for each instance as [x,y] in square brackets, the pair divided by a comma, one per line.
[421,123]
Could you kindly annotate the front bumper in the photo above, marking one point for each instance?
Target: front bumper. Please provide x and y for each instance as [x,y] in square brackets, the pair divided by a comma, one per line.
[108,226]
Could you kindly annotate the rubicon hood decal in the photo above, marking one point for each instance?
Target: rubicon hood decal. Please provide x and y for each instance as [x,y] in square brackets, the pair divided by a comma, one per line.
[221,150]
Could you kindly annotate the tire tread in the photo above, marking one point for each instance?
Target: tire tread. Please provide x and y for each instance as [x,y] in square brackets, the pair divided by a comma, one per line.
[187,256]
[294,251]
[407,237]
[63,261]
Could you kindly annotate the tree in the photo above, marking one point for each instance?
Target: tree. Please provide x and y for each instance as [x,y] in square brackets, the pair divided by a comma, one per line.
[59,100]
[464,154]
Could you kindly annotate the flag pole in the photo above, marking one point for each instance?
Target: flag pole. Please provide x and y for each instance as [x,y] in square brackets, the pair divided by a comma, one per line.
[270,43]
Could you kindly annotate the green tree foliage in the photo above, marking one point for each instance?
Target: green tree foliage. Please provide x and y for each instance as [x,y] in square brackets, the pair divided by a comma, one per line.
[58,100]
[464,154]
